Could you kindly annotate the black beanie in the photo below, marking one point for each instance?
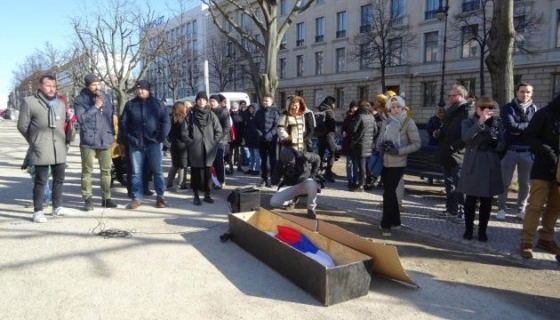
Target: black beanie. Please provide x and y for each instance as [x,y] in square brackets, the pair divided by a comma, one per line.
[214,97]
[91,78]
[143,84]
[221,98]
[201,95]
[329,101]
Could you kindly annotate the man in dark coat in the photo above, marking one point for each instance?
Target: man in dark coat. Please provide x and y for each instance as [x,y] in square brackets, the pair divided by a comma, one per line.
[217,104]
[297,171]
[94,112]
[543,138]
[144,125]
[326,141]
[451,150]
[266,122]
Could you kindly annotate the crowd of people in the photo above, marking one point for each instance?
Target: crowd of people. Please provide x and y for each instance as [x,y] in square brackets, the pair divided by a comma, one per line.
[479,146]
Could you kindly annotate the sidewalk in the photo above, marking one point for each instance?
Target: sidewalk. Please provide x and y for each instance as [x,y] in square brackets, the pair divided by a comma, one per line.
[174,267]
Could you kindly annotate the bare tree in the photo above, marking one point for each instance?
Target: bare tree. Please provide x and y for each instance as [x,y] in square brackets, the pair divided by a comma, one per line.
[381,45]
[500,51]
[265,18]
[221,57]
[119,40]
[471,31]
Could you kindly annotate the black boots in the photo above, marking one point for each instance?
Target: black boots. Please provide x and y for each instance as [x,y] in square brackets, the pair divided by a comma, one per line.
[88,205]
[311,214]
[196,200]
[207,198]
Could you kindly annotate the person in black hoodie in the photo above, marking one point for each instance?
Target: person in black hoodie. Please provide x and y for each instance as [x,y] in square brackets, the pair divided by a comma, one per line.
[326,141]
[451,150]
[297,170]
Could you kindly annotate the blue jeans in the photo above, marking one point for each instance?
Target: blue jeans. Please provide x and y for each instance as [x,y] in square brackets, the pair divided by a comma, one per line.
[375,163]
[220,165]
[254,159]
[455,201]
[151,154]
[351,170]
[524,162]
[245,156]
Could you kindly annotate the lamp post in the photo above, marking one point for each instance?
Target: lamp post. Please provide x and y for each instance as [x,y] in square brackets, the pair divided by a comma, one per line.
[441,14]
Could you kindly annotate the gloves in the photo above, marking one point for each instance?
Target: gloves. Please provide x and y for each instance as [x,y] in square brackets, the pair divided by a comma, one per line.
[393,151]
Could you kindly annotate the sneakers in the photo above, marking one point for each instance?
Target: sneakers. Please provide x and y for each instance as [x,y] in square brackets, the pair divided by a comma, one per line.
[445,214]
[526,250]
[59,212]
[548,246]
[501,215]
[160,203]
[520,215]
[88,205]
[108,203]
[134,205]
[385,231]
[311,214]
[293,203]
[39,217]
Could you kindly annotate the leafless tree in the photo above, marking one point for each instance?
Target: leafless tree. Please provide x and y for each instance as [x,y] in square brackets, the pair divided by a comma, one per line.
[500,51]
[470,30]
[381,44]
[264,17]
[221,57]
[118,38]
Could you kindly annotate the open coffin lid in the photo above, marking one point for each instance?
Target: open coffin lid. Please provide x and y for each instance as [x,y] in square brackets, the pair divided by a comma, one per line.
[386,261]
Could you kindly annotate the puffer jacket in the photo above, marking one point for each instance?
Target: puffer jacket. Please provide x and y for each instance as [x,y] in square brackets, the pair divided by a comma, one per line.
[363,132]
[96,127]
[543,136]
[408,139]
[144,122]
[515,120]
[292,126]
[266,124]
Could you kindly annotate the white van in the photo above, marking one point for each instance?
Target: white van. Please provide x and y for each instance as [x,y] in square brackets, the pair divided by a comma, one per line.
[230,97]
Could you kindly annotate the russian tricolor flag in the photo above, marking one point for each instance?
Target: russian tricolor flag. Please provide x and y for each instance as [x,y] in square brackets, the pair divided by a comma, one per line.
[300,242]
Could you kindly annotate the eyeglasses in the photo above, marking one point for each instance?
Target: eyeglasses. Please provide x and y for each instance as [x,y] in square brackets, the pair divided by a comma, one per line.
[452,95]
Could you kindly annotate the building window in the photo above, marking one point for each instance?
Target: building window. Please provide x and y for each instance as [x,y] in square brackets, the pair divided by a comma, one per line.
[520,25]
[341,24]
[364,56]
[230,50]
[320,29]
[469,84]
[320,1]
[318,62]
[284,42]
[432,7]
[340,60]
[300,27]
[395,52]
[468,38]
[557,28]
[556,84]
[366,18]
[430,93]
[397,8]
[282,67]
[431,46]
[283,7]
[283,100]
[243,19]
[363,92]
[299,66]
[470,5]
[339,93]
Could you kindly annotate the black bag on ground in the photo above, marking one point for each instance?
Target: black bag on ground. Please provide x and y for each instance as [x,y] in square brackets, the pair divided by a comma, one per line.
[244,199]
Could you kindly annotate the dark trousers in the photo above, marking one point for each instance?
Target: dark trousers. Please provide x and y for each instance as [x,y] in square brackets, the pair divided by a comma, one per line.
[219,164]
[391,213]
[483,213]
[233,155]
[201,179]
[41,178]
[323,144]
[455,201]
[267,151]
[361,162]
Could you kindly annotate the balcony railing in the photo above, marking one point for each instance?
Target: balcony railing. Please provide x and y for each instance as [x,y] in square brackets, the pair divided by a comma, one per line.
[365,28]
[320,38]
[396,21]
[431,14]
[300,42]
[471,6]
[341,34]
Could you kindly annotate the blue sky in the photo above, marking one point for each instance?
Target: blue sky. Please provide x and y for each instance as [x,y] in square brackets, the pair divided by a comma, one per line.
[26,25]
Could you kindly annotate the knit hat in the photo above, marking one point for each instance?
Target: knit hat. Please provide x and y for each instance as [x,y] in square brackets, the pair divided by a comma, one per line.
[398,99]
[143,84]
[201,95]
[287,155]
[214,97]
[221,98]
[91,78]
[329,101]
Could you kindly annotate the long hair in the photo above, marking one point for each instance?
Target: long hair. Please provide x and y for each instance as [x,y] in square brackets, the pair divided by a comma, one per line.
[180,111]
[302,104]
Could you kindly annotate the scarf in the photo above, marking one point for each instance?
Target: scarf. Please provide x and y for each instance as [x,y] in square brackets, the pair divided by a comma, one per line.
[522,107]
[51,104]
[202,116]
[394,127]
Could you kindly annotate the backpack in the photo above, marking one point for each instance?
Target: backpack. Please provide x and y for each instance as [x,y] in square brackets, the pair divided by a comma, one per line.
[320,124]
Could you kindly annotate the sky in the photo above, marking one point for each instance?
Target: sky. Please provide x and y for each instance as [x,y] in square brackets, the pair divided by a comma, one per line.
[26,25]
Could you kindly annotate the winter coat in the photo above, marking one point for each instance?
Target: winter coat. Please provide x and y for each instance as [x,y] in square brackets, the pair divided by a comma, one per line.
[309,125]
[178,147]
[293,127]
[434,123]
[266,123]
[363,131]
[144,122]
[402,131]
[238,127]
[225,121]
[543,136]
[347,134]
[202,134]
[96,125]
[481,175]
[330,120]
[251,137]
[306,166]
[515,120]
[46,145]
[451,148]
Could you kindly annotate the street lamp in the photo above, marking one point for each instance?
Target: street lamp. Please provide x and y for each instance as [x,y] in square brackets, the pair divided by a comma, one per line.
[441,14]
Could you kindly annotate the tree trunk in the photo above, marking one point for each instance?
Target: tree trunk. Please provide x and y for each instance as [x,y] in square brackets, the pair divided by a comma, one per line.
[500,57]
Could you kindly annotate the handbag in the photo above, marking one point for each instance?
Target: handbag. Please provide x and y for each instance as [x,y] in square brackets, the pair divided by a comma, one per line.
[70,131]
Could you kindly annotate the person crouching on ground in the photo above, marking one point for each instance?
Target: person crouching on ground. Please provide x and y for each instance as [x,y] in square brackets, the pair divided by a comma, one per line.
[482,173]
[298,171]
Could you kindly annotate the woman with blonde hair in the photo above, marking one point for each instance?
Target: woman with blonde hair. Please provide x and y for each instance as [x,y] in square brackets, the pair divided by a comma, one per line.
[178,148]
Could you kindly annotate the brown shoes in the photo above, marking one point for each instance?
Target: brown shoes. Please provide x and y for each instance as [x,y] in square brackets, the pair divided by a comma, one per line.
[526,250]
[548,246]
[160,203]
[134,205]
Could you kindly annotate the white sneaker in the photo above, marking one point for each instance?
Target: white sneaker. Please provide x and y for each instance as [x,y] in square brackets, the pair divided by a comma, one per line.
[59,212]
[501,215]
[520,215]
[39,217]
